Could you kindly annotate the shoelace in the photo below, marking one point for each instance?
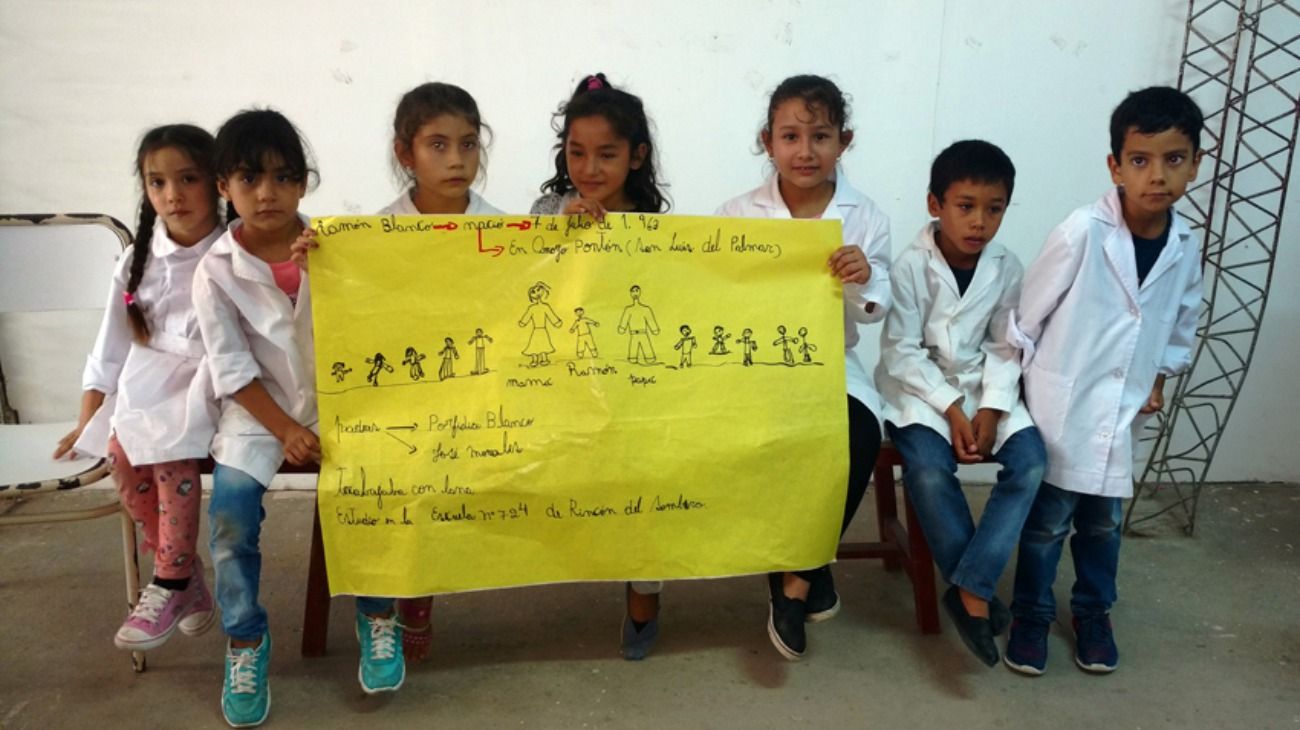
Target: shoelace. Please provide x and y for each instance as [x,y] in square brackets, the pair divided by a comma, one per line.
[243,673]
[152,601]
[383,637]
[1094,631]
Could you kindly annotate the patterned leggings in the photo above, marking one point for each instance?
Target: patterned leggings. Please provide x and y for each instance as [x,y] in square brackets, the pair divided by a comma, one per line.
[163,500]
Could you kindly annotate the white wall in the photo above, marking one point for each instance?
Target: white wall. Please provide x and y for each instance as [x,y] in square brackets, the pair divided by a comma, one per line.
[79,81]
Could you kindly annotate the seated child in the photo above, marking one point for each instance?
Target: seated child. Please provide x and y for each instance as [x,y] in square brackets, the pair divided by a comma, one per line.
[950,384]
[1108,311]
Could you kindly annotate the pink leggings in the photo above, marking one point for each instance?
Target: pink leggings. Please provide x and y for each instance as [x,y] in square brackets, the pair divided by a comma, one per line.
[163,500]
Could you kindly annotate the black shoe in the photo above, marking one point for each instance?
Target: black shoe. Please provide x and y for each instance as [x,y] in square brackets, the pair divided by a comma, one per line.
[823,602]
[999,617]
[976,633]
[785,619]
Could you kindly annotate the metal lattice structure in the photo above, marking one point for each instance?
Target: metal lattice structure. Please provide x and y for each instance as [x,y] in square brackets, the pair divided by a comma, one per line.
[1241,63]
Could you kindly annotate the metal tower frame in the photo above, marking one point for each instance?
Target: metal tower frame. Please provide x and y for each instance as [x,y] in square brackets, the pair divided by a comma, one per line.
[1241,63]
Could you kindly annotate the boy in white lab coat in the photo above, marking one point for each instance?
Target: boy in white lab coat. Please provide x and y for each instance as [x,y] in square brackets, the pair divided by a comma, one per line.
[950,384]
[1107,312]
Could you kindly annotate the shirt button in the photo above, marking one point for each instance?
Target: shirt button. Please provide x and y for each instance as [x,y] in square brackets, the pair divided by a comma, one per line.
[1104,435]
[1134,311]
[1118,373]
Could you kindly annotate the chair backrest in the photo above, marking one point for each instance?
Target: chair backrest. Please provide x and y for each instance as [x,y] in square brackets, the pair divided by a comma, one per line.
[54,277]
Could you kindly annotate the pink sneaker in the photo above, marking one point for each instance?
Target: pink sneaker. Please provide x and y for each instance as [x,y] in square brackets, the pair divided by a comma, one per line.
[198,616]
[153,619]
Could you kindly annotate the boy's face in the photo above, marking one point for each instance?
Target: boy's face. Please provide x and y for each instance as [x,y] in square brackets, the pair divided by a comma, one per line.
[969,217]
[1154,170]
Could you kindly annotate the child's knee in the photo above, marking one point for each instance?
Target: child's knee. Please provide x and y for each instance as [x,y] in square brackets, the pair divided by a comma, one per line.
[928,479]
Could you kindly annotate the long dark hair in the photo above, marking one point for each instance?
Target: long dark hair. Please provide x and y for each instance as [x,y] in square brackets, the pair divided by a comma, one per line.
[596,97]
[433,99]
[197,144]
[246,140]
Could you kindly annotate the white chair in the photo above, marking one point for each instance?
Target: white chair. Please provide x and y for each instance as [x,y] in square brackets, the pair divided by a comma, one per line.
[54,277]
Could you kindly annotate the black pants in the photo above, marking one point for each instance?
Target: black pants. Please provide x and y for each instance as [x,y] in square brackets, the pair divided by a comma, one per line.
[864,447]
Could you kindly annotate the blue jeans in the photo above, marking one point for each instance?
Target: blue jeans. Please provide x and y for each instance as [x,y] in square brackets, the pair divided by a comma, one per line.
[235,517]
[1094,546]
[970,556]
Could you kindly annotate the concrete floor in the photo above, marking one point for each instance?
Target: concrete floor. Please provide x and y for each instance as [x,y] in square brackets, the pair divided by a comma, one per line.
[1208,629]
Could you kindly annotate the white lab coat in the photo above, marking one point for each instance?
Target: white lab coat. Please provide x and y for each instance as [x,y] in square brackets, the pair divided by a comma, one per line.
[938,345]
[1093,341]
[405,206]
[865,226]
[252,331]
[159,396]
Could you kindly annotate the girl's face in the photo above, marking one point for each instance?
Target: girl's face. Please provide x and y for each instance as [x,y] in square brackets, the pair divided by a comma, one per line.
[267,201]
[804,144]
[444,156]
[599,161]
[181,193]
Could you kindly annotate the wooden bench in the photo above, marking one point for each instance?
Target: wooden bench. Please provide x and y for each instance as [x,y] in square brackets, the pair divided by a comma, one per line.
[899,546]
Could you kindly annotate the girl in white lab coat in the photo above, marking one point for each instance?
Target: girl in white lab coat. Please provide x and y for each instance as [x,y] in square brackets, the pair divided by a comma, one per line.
[807,130]
[147,404]
[438,149]
[255,316]
[605,162]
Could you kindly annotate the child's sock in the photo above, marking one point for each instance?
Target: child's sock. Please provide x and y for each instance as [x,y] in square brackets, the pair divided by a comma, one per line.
[171,584]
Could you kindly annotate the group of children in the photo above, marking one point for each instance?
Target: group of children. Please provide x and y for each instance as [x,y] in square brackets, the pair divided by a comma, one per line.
[206,347]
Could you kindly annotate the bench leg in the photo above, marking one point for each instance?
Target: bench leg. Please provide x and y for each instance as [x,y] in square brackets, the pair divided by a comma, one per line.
[922,564]
[131,564]
[316,611]
[886,508]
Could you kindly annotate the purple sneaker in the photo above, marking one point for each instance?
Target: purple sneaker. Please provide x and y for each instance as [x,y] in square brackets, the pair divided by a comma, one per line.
[153,620]
[198,616]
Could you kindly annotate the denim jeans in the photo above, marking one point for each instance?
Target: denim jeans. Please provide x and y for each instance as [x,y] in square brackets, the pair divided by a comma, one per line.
[1094,546]
[968,555]
[235,517]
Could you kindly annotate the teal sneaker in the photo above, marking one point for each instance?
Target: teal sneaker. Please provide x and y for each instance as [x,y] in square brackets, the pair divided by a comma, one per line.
[246,693]
[382,667]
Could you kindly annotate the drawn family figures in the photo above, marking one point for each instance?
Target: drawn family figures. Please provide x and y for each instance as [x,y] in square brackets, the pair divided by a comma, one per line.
[448,353]
[806,348]
[720,337]
[687,345]
[638,323]
[377,363]
[340,371]
[582,325]
[747,345]
[786,355]
[540,317]
[479,341]
[413,359]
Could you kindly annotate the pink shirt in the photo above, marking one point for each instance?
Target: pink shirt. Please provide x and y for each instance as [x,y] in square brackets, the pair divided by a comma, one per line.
[287,275]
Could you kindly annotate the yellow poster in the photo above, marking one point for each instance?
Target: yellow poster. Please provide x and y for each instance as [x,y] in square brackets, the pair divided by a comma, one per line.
[517,400]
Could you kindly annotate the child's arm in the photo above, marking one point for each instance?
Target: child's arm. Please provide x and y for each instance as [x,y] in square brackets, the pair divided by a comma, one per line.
[902,351]
[236,374]
[1178,353]
[871,300]
[107,357]
[1046,282]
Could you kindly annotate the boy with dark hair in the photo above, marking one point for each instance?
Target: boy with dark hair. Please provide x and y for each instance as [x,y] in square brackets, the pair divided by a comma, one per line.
[950,384]
[1108,311]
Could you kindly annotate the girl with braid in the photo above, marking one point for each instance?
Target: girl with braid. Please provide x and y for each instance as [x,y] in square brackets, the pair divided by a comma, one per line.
[147,403]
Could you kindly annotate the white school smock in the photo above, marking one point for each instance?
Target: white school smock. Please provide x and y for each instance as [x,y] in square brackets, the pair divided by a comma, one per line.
[405,206]
[938,345]
[252,331]
[1093,341]
[864,225]
[159,397]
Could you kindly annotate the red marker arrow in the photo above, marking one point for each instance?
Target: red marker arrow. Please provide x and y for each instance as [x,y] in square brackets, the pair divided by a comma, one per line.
[495,250]
[446,227]
[521,225]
